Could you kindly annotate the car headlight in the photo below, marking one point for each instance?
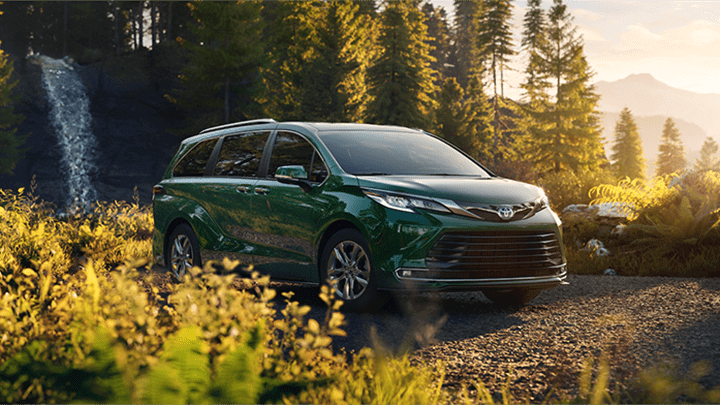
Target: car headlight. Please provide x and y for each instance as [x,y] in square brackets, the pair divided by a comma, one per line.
[541,203]
[404,202]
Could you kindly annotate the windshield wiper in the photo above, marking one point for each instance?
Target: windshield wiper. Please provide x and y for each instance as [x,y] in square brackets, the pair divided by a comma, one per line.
[373,174]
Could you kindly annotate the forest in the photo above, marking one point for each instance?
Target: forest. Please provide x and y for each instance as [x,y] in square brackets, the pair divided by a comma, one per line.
[73,303]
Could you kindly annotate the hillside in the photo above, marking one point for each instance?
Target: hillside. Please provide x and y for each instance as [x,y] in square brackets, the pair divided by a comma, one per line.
[651,102]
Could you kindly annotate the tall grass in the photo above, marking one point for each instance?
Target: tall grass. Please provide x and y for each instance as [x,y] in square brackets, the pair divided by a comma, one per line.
[83,318]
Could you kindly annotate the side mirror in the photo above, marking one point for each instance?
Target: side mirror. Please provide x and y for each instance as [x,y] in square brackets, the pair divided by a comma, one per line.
[293,174]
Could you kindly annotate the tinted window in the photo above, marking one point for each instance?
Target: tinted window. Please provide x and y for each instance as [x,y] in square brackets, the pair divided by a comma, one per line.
[194,162]
[292,149]
[240,154]
[407,153]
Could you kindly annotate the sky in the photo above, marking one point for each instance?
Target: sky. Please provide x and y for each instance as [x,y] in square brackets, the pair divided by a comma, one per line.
[677,42]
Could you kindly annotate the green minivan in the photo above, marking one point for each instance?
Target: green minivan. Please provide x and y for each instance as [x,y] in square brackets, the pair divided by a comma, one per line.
[368,209]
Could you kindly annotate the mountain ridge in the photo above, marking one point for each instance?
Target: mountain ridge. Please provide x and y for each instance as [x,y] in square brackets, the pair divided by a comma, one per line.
[651,102]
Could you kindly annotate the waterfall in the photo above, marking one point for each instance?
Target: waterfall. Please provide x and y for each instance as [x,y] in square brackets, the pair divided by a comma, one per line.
[70,115]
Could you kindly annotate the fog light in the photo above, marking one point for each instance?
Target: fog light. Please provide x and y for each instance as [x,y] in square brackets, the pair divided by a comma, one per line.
[407,273]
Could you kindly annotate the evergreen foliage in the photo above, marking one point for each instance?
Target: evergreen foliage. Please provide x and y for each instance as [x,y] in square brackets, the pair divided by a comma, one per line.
[465,54]
[627,157]
[671,156]
[571,139]
[221,83]
[293,42]
[401,80]
[40,27]
[480,120]
[495,48]
[10,141]
[439,39]
[708,156]
[334,80]
[452,117]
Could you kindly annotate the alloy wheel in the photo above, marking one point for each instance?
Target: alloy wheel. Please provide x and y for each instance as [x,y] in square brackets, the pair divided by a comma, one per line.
[348,270]
[181,255]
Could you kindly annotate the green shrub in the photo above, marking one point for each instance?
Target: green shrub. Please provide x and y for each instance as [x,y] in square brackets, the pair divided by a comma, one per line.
[673,216]
[567,187]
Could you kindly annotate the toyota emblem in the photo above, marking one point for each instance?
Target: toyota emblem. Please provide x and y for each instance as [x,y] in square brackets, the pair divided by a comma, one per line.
[505,212]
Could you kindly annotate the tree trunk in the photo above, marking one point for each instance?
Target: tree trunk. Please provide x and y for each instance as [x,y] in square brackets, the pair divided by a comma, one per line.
[140,25]
[117,28]
[168,33]
[161,30]
[153,23]
[227,100]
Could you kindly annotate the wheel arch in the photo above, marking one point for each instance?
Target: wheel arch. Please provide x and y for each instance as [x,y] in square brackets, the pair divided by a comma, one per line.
[331,230]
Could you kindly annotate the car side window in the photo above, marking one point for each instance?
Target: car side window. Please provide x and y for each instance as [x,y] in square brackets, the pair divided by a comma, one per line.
[240,154]
[194,162]
[292,149]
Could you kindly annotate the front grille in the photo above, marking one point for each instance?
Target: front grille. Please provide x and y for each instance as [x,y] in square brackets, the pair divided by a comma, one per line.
[497,254]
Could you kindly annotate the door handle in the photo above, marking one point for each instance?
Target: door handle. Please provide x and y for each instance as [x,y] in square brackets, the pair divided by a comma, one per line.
[261,190]
[243,189]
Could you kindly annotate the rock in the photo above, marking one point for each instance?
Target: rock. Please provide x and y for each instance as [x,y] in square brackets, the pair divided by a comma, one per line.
[610,272]
[130,122]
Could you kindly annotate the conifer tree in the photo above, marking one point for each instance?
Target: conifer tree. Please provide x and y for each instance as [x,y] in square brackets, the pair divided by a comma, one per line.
[627,157]
[495,48]
[10,141]
[220,83]
[536,100]
[401,80]
[480,120]
[293,41]
[438,38]
[465,55]
[572,139]
[671,157]
[708,156]
[452,116]
[495,39]
[334,81]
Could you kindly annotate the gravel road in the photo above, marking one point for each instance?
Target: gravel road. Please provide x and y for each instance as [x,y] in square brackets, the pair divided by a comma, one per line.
[638,321]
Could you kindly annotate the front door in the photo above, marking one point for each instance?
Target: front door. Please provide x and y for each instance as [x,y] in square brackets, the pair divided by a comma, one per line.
[287,215]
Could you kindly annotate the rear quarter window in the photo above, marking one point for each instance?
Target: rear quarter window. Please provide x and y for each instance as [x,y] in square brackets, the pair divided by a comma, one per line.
[194,162]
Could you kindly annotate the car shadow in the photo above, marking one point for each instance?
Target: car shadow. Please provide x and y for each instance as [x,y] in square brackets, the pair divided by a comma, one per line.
[409,321]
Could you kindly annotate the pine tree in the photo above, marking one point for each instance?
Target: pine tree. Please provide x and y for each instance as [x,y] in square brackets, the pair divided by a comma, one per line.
[221,83]
[293,40]
[334,81]
[536,100]
[480,120]
[708,156]
[495,39]
[627,157]
[572,138]
[452,116]
[465,55]
[438,38]
[401,80]
[671,157]
[10,141]
[495,48]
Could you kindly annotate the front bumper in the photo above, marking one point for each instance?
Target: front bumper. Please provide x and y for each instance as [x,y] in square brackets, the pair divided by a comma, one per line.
[424,279]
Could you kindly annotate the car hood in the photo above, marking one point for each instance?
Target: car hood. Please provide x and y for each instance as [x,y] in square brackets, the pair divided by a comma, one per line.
[492,190]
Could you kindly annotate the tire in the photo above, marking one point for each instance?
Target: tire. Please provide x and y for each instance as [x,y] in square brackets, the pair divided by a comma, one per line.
[347,267]
[183,251]
[512,297]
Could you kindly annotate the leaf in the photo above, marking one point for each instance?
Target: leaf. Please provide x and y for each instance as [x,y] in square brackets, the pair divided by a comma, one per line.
[29,273]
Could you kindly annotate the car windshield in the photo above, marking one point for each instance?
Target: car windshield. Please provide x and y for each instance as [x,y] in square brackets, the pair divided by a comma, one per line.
[398,153]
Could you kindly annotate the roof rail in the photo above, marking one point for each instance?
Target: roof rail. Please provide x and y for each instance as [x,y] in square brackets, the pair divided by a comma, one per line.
[239,124]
